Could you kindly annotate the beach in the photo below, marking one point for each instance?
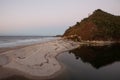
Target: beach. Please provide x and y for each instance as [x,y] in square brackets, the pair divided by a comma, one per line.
[36,60]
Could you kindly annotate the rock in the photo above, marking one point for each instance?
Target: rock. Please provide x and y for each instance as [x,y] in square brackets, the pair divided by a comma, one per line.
[74,38]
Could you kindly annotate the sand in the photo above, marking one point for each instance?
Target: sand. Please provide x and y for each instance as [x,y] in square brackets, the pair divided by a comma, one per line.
[37,60]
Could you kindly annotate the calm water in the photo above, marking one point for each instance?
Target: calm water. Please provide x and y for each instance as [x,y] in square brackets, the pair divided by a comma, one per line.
[91,63]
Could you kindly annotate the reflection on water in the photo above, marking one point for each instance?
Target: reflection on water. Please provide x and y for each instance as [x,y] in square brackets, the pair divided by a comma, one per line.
[98,56]
[91,63]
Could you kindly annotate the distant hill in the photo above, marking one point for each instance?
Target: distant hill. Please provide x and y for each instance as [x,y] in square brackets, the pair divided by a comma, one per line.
[98,26]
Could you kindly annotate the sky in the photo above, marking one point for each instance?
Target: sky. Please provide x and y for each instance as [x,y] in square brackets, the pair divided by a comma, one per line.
[48,17]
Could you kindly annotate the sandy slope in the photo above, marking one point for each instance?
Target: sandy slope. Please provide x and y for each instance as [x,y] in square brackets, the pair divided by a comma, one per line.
[37,60]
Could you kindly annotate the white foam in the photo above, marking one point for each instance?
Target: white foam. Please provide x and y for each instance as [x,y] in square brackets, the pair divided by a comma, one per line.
[25,42]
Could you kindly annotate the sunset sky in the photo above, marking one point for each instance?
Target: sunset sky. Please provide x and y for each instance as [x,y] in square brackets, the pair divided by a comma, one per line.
[48,17]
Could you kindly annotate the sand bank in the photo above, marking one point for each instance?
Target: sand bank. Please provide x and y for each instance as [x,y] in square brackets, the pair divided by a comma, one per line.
[37,60]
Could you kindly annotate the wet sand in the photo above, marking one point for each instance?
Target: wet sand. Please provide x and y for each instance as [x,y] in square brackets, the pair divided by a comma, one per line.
[35,61]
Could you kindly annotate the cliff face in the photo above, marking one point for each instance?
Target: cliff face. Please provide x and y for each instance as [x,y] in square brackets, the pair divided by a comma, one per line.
[98,26]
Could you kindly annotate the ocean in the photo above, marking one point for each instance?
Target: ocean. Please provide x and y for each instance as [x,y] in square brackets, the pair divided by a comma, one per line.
[12,41]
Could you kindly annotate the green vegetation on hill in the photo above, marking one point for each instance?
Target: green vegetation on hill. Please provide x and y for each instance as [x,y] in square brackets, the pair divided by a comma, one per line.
[98,26]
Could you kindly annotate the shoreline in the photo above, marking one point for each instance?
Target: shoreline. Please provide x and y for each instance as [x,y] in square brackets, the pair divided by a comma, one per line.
[80,43]
[38,60]
[98,43]
[4,49]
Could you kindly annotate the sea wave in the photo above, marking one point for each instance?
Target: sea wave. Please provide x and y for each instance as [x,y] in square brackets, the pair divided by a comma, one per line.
[22,42]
